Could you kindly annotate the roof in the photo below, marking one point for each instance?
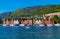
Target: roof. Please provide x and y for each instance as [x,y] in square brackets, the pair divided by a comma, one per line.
[52,14]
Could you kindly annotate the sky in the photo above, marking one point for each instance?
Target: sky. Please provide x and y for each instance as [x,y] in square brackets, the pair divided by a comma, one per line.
[11,5]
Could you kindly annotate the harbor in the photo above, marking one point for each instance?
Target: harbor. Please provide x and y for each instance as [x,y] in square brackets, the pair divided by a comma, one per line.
[35,32]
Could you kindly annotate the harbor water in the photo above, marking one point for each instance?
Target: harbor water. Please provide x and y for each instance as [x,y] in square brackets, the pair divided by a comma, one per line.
[31,32]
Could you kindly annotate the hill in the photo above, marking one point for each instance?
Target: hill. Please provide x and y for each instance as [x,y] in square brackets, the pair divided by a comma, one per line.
[32,11]
[35,10]
[5,15]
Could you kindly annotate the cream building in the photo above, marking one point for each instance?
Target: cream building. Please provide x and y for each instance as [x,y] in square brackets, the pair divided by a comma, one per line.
[52,14]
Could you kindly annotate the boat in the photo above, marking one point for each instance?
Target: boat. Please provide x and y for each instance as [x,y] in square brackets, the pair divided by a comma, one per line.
[57,24]
[41,25]
[4,25]
[21,25]
[49,25]
[11,24]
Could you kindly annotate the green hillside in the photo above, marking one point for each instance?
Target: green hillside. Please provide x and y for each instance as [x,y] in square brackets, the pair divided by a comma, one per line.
[5,15]
[32,11]
[35,10]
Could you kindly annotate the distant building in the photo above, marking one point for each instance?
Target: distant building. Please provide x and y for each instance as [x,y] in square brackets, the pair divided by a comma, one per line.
[16,21]
[52,14]
[44,21]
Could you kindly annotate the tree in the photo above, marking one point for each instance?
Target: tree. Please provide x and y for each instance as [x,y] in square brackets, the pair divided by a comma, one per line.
[56,19]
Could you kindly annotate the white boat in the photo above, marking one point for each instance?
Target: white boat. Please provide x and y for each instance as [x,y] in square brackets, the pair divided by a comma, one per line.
[4,25]
[21,25]
[49,22]
[11,24]
[57,24]
[41,25]
[49,25]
